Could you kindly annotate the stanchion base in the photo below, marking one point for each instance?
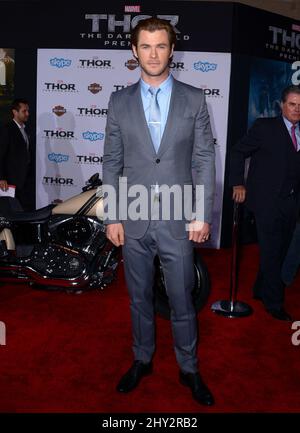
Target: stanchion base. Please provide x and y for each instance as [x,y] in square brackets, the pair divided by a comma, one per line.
[231,309]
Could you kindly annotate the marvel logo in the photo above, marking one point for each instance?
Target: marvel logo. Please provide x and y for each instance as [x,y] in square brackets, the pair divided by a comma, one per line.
[132,8]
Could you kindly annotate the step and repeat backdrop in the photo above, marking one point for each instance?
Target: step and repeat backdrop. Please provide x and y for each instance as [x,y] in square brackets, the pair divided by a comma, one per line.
[80,65]
[73,90]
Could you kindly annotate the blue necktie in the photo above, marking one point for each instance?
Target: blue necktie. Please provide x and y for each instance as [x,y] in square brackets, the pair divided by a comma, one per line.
[154,122]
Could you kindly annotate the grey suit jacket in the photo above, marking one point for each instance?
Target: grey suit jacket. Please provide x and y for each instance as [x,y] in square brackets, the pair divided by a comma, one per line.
[129,154]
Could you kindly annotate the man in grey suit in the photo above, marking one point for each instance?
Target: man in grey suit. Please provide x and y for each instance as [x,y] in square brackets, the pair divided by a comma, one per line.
[156,130]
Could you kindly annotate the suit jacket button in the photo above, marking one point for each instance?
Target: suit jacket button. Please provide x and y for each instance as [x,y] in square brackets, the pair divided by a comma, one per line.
[157,161]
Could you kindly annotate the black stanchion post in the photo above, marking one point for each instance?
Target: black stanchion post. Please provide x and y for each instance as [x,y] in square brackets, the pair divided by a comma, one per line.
[233,307]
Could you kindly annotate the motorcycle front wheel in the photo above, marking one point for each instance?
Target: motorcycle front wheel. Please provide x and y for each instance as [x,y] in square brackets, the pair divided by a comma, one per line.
[200,292]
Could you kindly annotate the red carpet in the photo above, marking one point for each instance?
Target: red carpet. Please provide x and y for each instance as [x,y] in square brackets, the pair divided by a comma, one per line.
[65,353]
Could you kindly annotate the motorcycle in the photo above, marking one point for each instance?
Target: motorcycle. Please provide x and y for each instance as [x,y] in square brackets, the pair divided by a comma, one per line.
[64,247]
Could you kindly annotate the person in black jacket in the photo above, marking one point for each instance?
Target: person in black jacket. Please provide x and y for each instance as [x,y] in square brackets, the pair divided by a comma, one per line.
[16,159]
[272,193]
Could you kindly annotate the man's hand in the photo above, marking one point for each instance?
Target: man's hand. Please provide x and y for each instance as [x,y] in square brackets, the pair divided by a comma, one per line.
[199,231]
[115,233]
[239,193]
[3,185]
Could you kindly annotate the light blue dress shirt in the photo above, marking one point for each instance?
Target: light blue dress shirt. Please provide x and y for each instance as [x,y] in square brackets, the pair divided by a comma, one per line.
[163,98]
[289,125]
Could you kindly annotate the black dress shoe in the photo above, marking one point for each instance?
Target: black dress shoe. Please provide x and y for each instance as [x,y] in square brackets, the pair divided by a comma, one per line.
[280,314]
[200,391]
[131,379]
[257,297]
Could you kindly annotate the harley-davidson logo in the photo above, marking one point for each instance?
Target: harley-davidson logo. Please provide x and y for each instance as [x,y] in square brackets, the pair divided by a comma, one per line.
[132,64]
[59,110]
[94,88]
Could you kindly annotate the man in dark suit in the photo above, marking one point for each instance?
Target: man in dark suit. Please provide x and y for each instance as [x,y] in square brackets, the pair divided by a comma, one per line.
[16,159]
[155,128]
[272,193]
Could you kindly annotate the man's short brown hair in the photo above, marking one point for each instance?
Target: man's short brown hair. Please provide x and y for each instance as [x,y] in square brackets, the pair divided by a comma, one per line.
[16,104]
[152,24]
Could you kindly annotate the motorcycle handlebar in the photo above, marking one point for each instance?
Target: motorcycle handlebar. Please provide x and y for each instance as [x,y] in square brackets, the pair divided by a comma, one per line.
[92,183]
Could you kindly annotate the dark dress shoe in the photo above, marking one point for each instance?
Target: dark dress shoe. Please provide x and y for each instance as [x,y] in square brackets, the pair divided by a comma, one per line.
[200,391]
[131,379]
[280,314]
[257,297]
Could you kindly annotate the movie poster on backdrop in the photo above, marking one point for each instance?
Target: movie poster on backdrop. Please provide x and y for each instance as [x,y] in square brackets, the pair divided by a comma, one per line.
[73,88]
[267,80]
[7,76]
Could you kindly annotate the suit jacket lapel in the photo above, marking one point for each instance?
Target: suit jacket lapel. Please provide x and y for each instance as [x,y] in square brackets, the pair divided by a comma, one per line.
[19,133]
[285,132]
[138,114]
[175,112]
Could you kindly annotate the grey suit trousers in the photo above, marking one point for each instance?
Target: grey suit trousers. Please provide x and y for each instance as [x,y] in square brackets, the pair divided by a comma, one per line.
[176,257]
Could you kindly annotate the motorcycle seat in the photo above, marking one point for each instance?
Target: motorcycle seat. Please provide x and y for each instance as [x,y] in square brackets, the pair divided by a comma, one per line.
[36,216]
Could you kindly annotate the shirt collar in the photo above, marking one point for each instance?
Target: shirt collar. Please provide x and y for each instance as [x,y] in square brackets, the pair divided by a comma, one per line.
[18,124]
[165,86]
[289,124]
